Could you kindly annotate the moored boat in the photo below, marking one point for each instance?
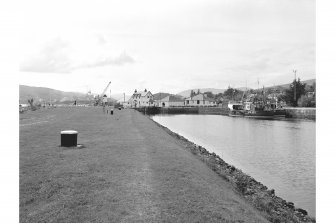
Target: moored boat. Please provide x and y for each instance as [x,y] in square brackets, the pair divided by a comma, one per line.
[255,109]
[235,109]
[257,106]
[279,112]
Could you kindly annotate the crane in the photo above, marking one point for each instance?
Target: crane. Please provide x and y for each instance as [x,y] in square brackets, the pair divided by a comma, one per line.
[98,99]
[103,93]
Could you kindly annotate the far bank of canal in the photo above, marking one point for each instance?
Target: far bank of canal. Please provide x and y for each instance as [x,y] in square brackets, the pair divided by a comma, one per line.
[278,153]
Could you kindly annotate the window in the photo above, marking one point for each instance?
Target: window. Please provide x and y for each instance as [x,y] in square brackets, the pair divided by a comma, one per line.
[198,101]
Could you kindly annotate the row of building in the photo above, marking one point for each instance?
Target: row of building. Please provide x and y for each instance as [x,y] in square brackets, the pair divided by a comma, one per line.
[146,99]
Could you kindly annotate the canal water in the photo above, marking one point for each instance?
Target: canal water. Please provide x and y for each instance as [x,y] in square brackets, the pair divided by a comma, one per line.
[278,153]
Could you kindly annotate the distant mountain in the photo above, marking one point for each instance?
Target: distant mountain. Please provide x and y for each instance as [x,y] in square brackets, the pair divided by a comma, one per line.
[160,95]
[120,97]
[310,81]
[42,94]
[286,86]
[187,93]
[243,88]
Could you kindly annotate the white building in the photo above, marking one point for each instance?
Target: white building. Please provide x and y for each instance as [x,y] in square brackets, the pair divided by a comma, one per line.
[199,100]
[171,101]
[141,99]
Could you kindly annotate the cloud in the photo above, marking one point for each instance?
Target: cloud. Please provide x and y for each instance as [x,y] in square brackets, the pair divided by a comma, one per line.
[51,59]
[60,56]
[124,58]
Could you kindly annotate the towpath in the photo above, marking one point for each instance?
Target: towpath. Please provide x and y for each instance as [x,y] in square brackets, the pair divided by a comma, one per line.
[130,170]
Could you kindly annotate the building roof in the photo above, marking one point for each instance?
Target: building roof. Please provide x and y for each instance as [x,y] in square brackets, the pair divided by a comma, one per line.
[200,97]
[141,93]
[172,98]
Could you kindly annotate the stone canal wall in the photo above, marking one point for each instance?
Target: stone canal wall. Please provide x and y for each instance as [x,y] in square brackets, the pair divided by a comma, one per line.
[169,110]
[183,110]
[303,113]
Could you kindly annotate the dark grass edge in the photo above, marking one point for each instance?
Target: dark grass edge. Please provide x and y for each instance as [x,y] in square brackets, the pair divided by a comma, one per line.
[274,208]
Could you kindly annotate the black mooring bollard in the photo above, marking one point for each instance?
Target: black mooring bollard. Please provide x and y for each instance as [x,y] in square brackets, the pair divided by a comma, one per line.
[112,112]
[68,138]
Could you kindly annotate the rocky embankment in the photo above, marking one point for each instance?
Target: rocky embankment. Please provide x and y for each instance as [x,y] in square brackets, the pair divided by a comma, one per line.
[274,208]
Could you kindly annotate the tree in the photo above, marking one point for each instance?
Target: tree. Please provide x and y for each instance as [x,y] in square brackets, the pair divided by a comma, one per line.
[272,90]
[31,103]
[229,92]
[218,97]
[232,93]
[281,97]
[289,93]
[309,99]
[305,101]
[251,91]
[311,88]
[209,94]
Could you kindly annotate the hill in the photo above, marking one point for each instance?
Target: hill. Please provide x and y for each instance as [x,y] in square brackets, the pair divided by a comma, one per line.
[187,93]
[243,88]
[43,94]
[120,97]
[309,82]
[160,95]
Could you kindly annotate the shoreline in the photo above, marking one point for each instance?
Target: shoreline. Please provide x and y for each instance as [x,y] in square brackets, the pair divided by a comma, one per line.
[290,113]
[254,192]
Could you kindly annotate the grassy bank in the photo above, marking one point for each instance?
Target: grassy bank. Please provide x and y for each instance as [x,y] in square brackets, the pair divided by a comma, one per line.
[129,170]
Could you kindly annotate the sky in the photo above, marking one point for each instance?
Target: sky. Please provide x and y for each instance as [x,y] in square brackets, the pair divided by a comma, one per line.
[165,46]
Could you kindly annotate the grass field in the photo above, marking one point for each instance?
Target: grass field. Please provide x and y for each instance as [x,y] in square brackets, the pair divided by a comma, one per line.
[129,170]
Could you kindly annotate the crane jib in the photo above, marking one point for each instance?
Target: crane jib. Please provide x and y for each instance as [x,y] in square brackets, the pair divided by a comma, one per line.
[102,94]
